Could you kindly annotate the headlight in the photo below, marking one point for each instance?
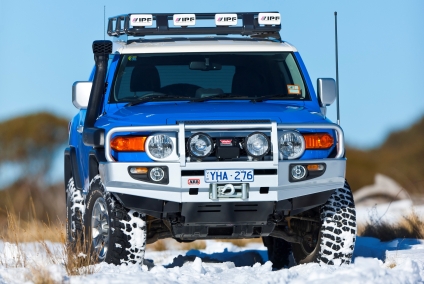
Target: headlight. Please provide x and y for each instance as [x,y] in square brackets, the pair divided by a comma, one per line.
[257,144]
[160,146]
[200,145]
[291,144]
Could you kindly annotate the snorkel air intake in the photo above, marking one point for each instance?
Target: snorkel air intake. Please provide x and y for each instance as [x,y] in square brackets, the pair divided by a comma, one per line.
[95,136]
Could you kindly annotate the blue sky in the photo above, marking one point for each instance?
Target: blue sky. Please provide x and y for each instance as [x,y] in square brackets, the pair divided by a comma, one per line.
[45,46]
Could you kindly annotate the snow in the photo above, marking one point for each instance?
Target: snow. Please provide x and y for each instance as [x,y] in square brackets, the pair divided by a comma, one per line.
[388,212]
[398,261]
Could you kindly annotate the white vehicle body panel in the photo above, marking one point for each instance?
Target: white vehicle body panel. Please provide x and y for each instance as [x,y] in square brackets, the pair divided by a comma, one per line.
[187,46]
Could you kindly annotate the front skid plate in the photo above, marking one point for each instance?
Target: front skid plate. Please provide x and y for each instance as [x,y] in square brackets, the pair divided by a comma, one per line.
[221,231]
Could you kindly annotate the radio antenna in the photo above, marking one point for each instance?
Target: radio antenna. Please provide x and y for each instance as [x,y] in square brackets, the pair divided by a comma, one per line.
[337,70]
[104,22]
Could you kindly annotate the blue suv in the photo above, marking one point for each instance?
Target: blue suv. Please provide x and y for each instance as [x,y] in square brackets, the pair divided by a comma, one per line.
[206,126]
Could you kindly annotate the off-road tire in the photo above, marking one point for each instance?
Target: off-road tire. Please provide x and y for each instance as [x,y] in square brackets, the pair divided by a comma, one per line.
[336,239]
[75,206]
[279,252]
[127,228]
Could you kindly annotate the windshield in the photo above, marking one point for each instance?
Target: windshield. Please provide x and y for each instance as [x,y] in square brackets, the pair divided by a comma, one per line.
[193,76]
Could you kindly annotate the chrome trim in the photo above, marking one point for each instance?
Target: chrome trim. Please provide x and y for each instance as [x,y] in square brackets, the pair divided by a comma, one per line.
[273,127]
[274,142]
[181,144]
[244,191]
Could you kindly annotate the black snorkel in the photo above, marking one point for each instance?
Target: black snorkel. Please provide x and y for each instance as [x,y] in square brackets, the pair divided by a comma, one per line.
[95,136]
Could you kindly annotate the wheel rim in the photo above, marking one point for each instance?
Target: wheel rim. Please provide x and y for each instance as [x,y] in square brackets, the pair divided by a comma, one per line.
[100,228]
[308,245]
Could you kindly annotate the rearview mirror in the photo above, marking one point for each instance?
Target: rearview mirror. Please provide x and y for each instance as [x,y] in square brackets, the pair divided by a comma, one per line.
[81,94]
[200,65]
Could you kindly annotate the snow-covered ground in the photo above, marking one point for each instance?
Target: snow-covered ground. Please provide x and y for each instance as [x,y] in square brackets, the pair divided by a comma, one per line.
[399,261]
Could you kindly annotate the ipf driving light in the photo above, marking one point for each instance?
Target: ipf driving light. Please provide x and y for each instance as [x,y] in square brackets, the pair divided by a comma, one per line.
[257,144]
[200,145]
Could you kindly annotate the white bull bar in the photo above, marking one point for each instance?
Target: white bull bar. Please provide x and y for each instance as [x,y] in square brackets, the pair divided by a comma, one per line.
[181,128]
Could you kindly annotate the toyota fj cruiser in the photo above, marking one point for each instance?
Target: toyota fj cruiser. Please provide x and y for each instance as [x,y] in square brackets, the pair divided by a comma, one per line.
[206,126]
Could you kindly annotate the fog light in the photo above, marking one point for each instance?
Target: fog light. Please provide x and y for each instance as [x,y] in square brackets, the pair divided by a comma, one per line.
[298,172]
[138,170]
[157,174]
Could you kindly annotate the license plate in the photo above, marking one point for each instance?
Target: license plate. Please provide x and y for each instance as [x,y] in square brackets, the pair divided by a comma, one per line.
[215,176]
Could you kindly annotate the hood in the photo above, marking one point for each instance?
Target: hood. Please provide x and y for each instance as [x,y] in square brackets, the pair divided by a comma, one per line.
[170,113]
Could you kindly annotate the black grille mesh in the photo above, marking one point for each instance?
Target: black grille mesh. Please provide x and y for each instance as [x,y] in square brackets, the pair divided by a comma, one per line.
[197,122]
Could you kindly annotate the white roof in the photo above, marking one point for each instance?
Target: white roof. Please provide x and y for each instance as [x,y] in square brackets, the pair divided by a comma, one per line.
[211,45]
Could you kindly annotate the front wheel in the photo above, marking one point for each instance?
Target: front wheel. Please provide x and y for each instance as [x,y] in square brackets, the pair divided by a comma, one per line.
[335,240]
[75,207]
[115,234]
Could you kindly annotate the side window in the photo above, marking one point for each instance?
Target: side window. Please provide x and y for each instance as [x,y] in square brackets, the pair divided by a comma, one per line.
[293,75]
[123,79]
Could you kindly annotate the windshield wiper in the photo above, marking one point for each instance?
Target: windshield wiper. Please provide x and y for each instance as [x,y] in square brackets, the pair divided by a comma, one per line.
[154,97]
[219,96]
[268,97]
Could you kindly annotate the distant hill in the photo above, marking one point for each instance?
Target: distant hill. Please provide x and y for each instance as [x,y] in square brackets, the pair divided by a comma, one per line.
[400,157]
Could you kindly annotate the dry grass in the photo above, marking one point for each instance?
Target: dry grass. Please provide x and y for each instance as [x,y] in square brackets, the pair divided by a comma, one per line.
[166,244]
[411,227]
[39,275]
[77,259]
[159,245]
[20,231]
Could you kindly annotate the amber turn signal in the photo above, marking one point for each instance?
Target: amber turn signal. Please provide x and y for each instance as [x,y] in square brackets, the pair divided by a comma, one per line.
[128,143]
[315,167]
[138,170]
[318,140]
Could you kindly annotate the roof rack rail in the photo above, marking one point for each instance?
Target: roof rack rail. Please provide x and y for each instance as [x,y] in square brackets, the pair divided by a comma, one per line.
[253,24]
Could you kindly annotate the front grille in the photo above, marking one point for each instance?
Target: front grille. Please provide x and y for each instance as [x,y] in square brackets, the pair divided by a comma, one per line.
[208,122]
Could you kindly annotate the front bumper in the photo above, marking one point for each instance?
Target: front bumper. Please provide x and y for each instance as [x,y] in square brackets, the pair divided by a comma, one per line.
[116,179]
[273,178]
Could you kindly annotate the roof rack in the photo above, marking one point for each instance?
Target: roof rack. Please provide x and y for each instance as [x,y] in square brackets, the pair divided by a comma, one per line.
[253,24]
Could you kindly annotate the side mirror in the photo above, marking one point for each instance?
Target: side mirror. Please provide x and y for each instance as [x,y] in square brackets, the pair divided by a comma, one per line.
[327,91]
[81,94]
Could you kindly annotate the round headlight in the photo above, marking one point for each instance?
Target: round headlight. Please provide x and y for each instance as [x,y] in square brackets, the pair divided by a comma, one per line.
[200,145]
[291,144]
[257,144]
[160,146]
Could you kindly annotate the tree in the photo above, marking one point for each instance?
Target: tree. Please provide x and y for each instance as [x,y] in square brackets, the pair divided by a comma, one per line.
[30,142]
